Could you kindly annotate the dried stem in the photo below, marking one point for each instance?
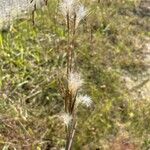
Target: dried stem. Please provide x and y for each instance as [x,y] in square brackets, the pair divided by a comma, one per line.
[73,15]
[70,101]
[73,103]
[33,15]
[68,48]
[72,136]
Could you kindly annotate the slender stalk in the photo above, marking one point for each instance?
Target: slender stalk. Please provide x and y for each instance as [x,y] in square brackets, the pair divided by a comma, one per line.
[70,98]
[67,138]
[68,48]
[72,136]
[70,102]
[73,103]
[73,39]
[46,2]
[66,102]
[33,15]
[73,13]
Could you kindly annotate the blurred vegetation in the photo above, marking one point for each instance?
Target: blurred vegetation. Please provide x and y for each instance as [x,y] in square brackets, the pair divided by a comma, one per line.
[108,44]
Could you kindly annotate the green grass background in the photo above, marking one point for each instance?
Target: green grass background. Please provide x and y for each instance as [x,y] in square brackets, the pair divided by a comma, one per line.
[106,47]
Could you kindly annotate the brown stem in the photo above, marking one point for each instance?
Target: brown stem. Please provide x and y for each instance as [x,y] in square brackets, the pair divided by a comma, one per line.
[73,40]
[33,14]
[73,103]
[46,2]
[67,101]
[68,48]
[68,64]
[70,102]
[70,98]
[72,136]
[67,138]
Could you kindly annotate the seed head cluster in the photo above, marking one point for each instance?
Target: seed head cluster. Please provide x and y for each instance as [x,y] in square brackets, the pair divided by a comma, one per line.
[74,10]
[66,118]
[74,82]
[84,99]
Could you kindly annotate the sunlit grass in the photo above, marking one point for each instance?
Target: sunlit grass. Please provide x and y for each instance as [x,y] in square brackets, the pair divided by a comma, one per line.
[105,48]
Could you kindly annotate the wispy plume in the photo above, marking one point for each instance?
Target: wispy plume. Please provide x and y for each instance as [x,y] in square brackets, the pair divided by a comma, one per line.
[67,118]
[74,82]
[84,99]
[67,6]
[74,10]
[81,12]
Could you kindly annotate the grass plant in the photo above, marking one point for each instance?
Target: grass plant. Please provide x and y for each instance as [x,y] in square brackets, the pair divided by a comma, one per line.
[47,71]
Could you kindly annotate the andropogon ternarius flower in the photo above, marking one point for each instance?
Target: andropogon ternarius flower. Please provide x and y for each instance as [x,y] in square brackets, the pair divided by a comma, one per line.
[84,99]
[74,82]
[67,118]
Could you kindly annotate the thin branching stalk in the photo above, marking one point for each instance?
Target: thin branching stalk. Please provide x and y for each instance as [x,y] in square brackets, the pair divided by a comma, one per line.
[73,13]
[73,103]
[68,47]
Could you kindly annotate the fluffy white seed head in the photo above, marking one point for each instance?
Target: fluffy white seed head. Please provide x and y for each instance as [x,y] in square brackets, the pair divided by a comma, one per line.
[73,8]
[74,82]
[81,12]
[67,7]
[84,99]
[66,118]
